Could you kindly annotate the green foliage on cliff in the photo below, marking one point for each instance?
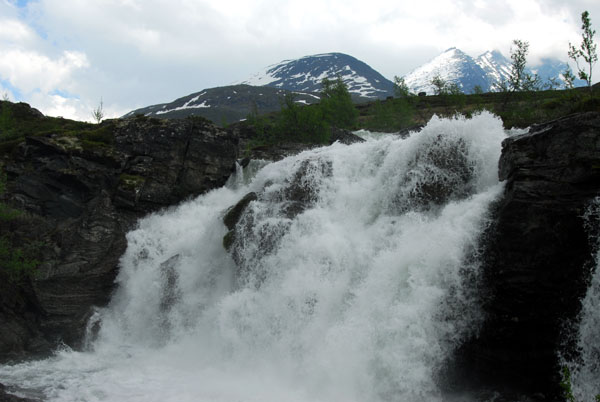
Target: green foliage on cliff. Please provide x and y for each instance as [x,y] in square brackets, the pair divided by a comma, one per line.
[19,120]
[16,261]
[567,386]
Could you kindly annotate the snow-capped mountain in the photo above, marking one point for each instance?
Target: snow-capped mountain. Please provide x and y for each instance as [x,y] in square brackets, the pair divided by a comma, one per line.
[486,71]
[453,66]
[496,67]
[307,73]
[265,90]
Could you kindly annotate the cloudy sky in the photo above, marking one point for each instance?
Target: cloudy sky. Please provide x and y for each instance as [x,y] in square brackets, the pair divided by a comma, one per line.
[63,56]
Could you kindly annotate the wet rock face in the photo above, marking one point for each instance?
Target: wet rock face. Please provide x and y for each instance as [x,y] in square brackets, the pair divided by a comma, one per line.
[537,256]
[82,199]
[439,173]
[263,218]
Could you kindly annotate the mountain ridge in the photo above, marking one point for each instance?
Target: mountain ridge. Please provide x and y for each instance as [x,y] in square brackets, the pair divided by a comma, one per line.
[264,90]
[485,71]
[306,74]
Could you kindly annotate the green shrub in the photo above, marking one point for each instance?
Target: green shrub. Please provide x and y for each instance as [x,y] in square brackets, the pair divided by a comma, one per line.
[336,104]
[18,262]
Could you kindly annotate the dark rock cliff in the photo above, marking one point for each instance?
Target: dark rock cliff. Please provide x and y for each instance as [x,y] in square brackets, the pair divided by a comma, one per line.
[79,199]
[537,258]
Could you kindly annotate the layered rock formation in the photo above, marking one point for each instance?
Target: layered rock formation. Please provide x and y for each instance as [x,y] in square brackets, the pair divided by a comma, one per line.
[80,197]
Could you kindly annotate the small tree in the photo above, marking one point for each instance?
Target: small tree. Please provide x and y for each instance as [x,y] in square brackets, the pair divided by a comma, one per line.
[401,90]
[587,50]
[517,77]
[439,85]
[98,113]
[336,104]
[568,78]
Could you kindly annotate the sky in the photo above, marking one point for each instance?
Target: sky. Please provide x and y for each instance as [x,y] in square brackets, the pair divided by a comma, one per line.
[64,57]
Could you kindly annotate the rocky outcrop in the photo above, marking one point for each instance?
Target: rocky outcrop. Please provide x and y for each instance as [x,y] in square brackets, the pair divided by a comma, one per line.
[80,196]
[537,257]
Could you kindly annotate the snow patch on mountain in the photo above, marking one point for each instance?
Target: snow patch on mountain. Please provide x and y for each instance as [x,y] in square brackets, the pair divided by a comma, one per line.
[496,66]
[454,66]
[486,71]
[307,73]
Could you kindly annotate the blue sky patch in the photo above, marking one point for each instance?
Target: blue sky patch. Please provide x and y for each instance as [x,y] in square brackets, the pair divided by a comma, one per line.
[14,91]
[21,3]
[64,94]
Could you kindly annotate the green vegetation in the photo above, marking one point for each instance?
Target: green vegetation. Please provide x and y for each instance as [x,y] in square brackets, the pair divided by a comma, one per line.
[16,262]
[390,115]
[18,120]
[306,124]
[6,121]
[518,79]
[567,386]
[587,50]
[336,104]
[131,181]
[98,113]
[401,89]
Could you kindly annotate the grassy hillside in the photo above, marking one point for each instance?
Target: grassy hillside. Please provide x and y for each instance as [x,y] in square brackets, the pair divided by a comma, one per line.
[519,109]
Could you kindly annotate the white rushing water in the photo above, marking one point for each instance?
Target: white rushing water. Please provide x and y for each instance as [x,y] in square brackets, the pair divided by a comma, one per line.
[357,291]
[585,371]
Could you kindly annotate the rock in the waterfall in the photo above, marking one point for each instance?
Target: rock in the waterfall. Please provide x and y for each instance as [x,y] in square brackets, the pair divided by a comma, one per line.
[299,192]
[232,217]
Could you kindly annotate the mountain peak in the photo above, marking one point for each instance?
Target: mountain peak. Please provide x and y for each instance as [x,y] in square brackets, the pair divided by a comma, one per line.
[485,71]
[452,65]
[306,74]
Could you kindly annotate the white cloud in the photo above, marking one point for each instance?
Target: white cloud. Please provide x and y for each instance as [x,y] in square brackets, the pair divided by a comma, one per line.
[30,71]
[134,53]
[14,31]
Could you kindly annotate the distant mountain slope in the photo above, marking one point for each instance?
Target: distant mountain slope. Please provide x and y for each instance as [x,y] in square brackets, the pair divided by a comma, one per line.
[485,71]
[496,67]
[224,104]
[454,66]
[307,73]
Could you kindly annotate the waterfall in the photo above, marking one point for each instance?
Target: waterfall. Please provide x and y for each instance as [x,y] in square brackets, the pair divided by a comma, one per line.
[351,276]
[585,370]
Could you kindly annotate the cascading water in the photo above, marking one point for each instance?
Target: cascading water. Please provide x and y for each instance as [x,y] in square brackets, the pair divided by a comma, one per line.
[350,276]
[585,370]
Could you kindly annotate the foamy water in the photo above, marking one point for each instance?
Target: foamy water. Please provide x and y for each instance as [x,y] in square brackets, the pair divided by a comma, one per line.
[361,293]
